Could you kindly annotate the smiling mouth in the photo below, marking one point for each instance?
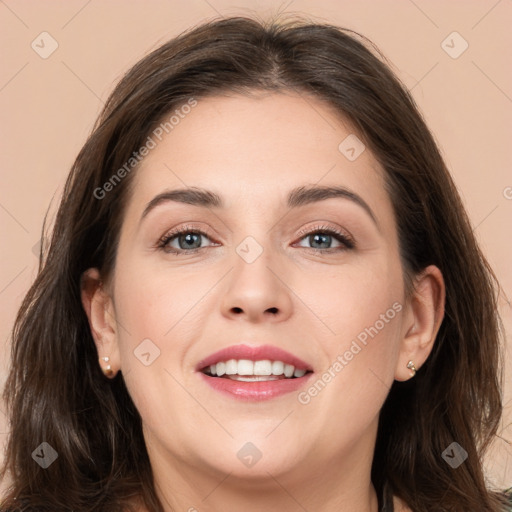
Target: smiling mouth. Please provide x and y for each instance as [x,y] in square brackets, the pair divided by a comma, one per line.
[244,370]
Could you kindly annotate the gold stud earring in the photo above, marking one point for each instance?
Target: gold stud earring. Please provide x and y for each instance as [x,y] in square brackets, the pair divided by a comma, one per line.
[107,370]
[411,367]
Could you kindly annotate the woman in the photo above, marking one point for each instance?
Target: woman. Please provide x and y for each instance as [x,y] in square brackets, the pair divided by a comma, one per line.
[185,347]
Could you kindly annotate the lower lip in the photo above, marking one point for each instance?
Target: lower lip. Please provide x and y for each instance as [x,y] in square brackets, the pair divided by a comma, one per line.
[255,391]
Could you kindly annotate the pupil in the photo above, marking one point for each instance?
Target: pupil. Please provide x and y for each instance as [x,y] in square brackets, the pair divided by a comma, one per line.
[318,236]
[188,238]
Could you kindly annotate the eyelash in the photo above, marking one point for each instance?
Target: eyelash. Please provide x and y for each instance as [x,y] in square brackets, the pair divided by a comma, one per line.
[341,237]
[344,238]
[162,243]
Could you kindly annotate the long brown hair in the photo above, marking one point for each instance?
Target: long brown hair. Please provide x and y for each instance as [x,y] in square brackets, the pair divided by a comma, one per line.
[55,391]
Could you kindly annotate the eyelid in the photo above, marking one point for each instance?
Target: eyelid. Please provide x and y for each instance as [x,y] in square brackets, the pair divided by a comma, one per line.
[172,233]
[327,228]
[186,228]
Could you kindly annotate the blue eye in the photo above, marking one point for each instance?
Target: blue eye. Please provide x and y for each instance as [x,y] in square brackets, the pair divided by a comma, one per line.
[189,240]
[324,235]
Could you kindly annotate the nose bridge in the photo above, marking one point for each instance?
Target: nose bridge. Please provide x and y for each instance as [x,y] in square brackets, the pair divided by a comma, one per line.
[254,262]
[253,234]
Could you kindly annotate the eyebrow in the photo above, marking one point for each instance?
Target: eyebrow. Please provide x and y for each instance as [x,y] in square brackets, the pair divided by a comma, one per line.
[297,197]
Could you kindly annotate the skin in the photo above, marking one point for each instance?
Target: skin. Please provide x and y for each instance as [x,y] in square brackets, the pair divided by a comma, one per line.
[252,150]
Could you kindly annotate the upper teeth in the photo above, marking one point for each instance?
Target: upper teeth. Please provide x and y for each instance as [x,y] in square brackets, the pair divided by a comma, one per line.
[247,367]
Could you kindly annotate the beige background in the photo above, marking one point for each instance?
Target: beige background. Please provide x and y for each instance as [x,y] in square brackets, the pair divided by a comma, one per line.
[48,106]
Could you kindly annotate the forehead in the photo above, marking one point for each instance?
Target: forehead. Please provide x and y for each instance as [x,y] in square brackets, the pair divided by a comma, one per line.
[254,149]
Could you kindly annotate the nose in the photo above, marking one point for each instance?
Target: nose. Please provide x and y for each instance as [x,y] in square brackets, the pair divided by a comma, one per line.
[257,290]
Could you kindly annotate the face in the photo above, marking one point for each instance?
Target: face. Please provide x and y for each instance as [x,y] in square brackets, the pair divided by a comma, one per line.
[315,275]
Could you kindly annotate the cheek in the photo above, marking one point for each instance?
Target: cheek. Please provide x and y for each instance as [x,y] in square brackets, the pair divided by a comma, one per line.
[152,301]
[159,312]
[345,398]
[362,313]
[151,309]
[355,301]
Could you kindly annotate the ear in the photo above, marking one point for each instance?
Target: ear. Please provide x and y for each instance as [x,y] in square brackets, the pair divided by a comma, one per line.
[99,308]
[422,320]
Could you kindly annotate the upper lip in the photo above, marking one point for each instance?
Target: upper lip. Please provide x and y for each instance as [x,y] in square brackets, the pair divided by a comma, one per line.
[253,353]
